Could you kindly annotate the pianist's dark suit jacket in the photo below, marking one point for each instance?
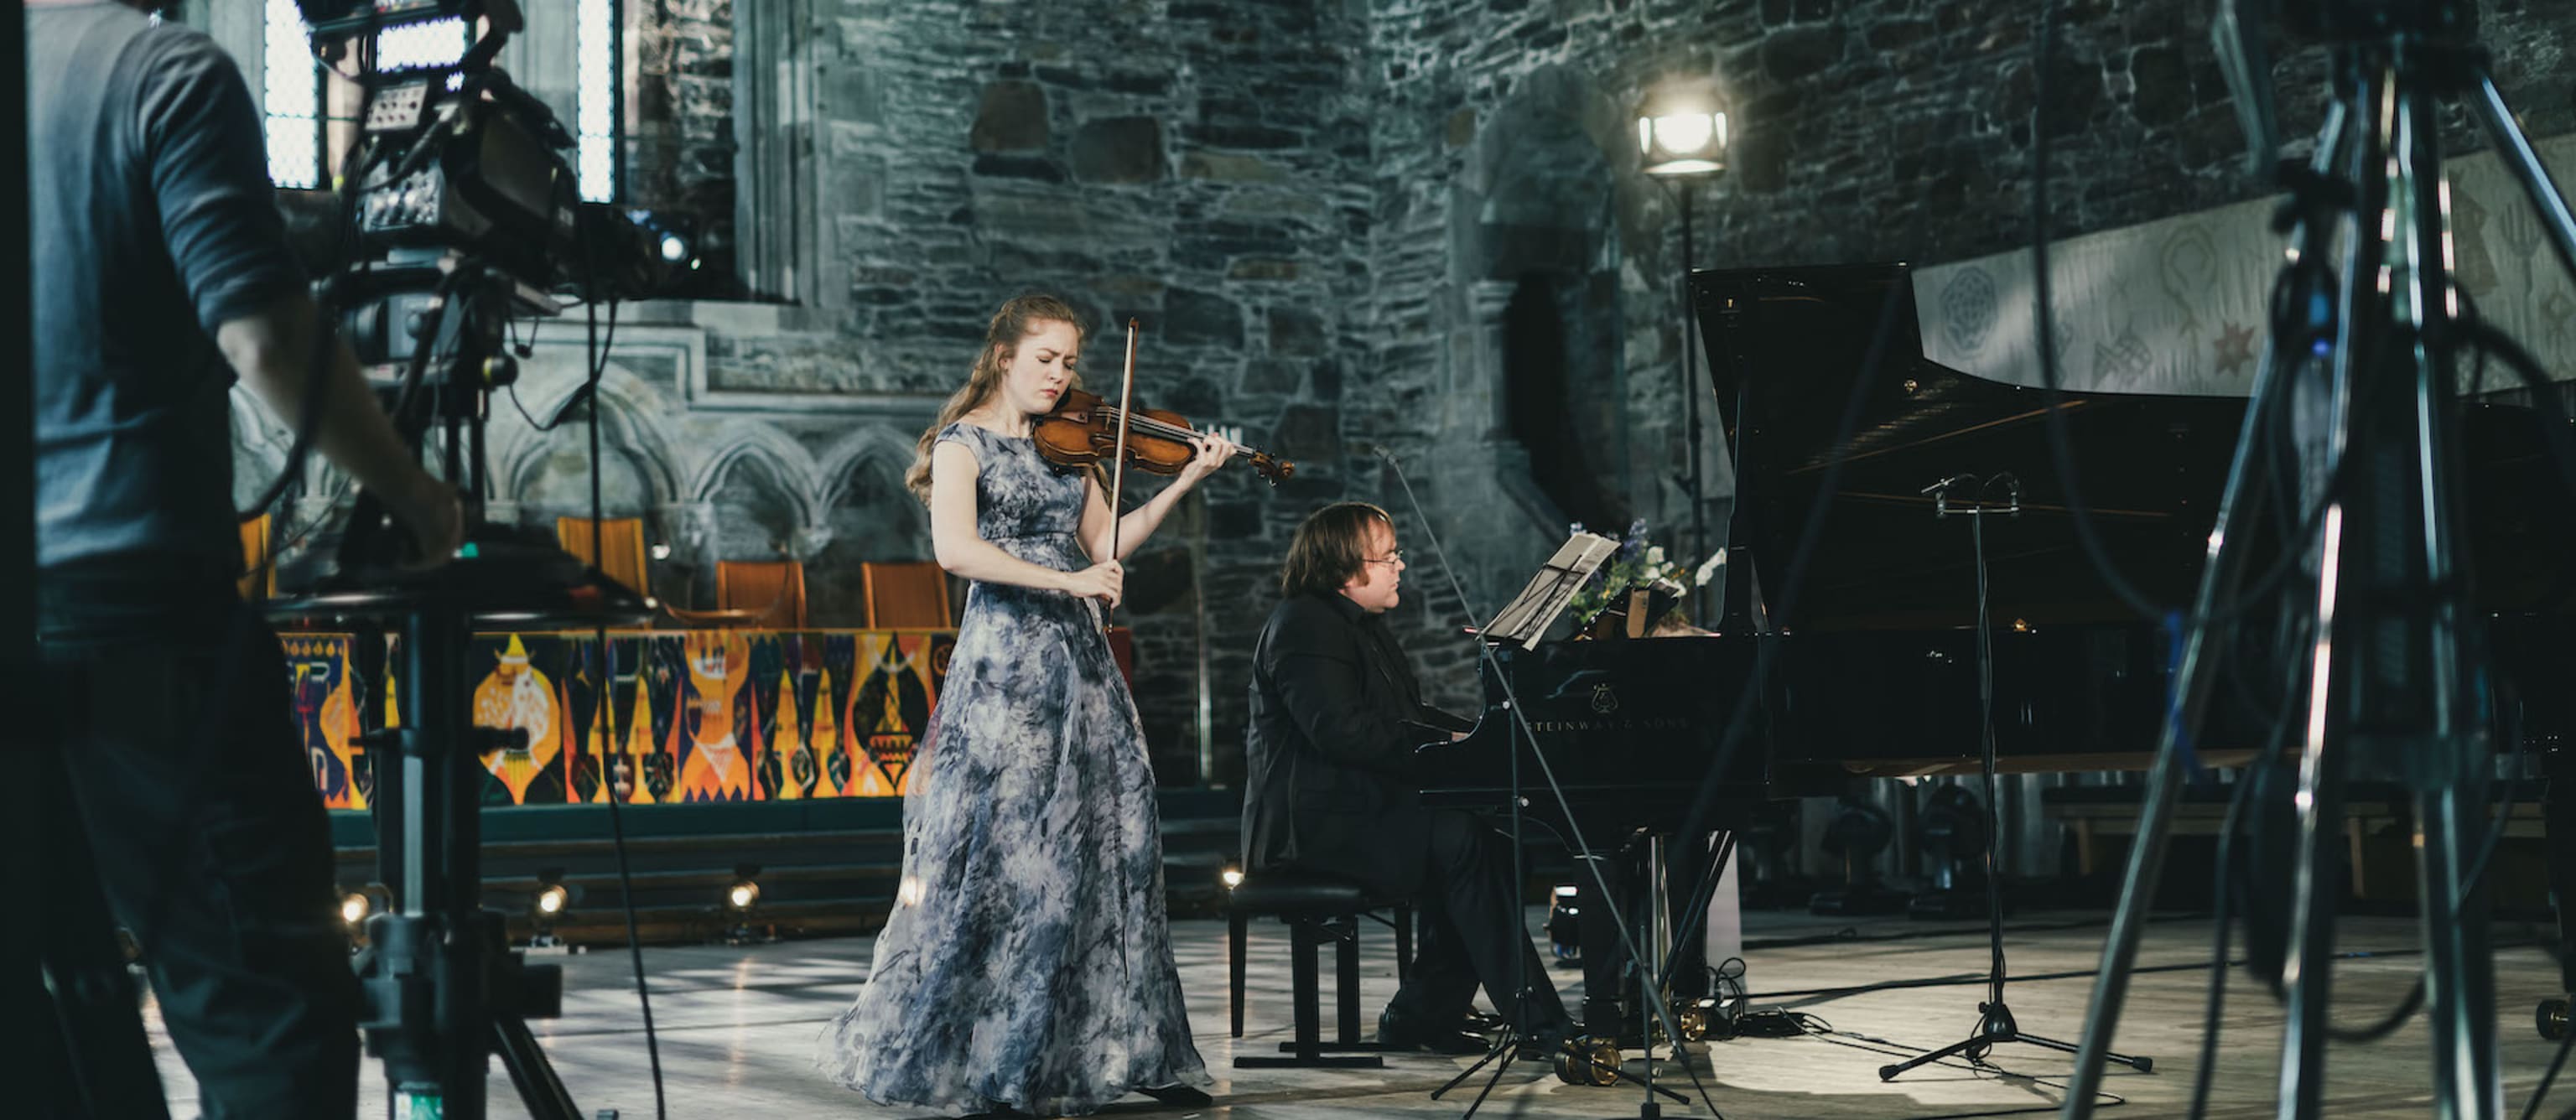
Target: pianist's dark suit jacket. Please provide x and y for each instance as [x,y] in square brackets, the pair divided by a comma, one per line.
[1336,716]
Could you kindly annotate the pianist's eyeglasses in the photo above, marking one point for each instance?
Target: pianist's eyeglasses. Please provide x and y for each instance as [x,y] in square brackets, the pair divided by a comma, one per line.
[1394,557]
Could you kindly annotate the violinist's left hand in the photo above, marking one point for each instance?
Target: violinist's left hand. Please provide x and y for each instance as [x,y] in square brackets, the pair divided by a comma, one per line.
[1214,451]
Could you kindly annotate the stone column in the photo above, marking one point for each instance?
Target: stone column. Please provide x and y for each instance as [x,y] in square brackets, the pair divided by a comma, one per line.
[1480,385]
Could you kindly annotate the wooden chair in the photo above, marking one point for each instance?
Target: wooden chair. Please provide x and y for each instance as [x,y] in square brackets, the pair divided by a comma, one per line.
[773,591]
[259,576]
[907,595]
[622,538]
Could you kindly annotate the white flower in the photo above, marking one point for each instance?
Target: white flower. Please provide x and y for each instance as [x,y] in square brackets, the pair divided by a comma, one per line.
[1655,556]
[1708,568]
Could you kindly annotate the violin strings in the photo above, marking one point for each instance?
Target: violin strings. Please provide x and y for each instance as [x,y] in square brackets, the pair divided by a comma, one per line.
[1153,427]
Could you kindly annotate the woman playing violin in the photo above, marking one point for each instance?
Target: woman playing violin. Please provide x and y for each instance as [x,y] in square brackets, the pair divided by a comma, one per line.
[1027,964]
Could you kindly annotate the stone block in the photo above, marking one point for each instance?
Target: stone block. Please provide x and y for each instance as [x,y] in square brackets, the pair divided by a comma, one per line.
[1326,381]
[1296,333]
[1223,167]
[1309,433]
[2162,86]
[1012,117]
[1795,54]
[1119,150]
[849,92]
[1272,376]
[1260,268]
[1191,316]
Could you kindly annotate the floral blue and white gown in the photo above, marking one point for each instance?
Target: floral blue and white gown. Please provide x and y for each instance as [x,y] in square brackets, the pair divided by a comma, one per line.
[1028,961]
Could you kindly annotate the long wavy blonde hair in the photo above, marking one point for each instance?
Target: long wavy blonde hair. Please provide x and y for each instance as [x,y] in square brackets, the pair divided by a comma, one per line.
[1015,321]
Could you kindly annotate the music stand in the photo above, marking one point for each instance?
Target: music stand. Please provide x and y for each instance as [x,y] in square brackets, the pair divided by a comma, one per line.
[1521,622]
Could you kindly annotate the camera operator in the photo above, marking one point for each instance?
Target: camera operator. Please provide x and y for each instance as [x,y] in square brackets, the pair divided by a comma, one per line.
[159,260]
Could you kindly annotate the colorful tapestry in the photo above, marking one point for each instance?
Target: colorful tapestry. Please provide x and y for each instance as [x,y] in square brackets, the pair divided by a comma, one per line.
[684,717]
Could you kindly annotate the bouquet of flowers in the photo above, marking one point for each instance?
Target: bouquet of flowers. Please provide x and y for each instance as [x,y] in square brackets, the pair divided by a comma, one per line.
[1639,564]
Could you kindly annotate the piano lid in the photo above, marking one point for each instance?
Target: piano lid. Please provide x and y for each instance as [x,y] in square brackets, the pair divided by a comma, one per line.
[1786,349]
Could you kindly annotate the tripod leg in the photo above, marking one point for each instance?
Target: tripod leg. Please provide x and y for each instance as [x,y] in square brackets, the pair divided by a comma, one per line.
[1974,1046]
[2515,149]
[2239,507]
[2140,1064]
[2459,981]
[539,1087]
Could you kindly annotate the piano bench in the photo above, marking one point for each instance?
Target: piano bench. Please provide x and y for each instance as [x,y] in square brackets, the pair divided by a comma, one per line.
[1314,906]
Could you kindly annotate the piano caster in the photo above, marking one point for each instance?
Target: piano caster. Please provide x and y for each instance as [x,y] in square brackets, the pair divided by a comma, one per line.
[2550,1018]
[1588,1061]
[1691,1019]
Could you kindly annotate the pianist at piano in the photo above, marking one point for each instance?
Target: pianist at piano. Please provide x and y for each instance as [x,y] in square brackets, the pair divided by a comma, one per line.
[1336,718]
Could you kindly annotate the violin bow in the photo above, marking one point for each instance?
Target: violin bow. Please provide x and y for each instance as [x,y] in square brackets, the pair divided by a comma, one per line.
[1118,468]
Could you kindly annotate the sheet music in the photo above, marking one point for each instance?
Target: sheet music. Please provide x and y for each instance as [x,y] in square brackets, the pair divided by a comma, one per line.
[1531,612]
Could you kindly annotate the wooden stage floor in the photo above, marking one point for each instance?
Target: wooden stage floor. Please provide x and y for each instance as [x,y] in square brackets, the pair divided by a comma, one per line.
[737,1028]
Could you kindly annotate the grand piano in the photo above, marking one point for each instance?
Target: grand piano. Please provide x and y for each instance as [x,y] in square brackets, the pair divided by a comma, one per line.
[1874,665]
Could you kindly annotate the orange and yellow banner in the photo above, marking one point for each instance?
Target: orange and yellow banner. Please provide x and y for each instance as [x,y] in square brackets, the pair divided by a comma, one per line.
[667,717]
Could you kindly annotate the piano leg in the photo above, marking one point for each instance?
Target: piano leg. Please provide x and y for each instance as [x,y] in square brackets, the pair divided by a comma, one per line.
[1605,964]
[2558,825]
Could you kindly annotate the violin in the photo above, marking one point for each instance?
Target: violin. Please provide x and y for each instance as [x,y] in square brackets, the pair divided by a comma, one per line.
[1082,430]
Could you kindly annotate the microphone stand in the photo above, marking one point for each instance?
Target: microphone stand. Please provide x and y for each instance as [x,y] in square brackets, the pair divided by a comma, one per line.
[1597,1063]
[1995,1022]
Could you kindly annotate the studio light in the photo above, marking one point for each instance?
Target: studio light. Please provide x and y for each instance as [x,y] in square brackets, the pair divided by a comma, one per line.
[1233,877]
[552,900]
[673,235]
[745,891]
[552,897]
[356,906]
[1682,128]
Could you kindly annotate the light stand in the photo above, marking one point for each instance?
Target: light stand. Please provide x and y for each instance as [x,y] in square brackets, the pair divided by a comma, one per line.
[2396,661]
[1682,138]
[1995,1023]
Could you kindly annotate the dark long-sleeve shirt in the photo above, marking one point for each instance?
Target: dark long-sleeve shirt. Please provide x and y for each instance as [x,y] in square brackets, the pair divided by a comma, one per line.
[1336,716]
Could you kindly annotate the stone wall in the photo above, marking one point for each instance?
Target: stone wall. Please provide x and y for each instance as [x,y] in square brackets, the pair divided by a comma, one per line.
[1321,214]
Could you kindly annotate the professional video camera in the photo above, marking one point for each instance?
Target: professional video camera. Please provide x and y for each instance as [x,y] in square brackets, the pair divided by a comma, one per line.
[459,213]
[458,159]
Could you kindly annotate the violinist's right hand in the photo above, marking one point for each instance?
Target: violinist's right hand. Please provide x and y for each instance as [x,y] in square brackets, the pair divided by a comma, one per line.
[1105,581]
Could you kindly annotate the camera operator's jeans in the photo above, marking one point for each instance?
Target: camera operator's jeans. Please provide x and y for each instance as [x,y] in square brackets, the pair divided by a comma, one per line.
[189,784]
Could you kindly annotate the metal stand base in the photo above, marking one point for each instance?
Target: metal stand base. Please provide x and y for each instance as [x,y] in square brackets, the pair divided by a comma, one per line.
[1998,1028]
[1577,1064]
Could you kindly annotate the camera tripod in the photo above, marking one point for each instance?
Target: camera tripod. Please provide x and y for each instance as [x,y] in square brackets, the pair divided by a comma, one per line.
[2395,676]
[442,990]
